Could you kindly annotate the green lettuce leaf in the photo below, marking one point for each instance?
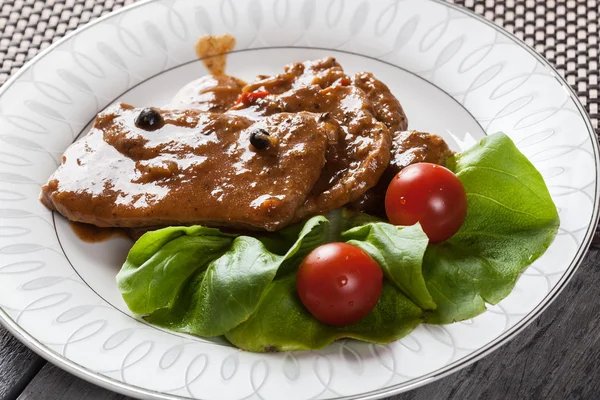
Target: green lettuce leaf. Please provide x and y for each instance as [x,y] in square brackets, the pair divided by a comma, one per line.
[161,262]
[314,233]
[224,294]
[511,221]
[282,323]
[399,251]
[200,281]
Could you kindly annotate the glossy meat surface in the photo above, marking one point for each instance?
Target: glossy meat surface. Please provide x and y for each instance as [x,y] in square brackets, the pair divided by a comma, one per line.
[211,93]
[408,147]
[358,156]
[198,168]
[331,140]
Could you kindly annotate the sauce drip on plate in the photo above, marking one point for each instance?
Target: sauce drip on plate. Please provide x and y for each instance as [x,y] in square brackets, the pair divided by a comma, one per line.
[212,50]
[94,234]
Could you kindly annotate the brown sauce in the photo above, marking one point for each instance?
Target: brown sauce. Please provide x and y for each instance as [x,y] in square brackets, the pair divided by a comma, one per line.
[196,168]
[301,143]
[212,50]
[94,234]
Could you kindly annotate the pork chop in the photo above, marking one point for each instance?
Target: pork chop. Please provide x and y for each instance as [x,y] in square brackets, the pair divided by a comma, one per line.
[211,93]
[357,157]
[387,107]
[190,167]
[409,147]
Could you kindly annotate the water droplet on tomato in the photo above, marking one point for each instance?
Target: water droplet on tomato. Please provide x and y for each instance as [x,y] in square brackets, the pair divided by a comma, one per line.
[350,303]
[402,200]
[342,281]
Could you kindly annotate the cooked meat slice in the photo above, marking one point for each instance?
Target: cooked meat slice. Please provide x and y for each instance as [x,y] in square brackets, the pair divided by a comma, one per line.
[356,161]
[358,156]
[211,93]
[387,107]
[191,168]
[409,147]
[322,73]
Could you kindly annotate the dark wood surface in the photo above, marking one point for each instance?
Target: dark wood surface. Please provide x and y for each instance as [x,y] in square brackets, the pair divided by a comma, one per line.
[53,383]
[556,357]
[18,365]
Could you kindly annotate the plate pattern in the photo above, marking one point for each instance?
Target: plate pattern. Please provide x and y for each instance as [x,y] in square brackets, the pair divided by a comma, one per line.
[501,83]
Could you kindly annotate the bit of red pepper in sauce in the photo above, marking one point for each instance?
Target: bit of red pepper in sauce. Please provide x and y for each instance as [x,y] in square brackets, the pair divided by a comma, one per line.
[344,81]
[251,97]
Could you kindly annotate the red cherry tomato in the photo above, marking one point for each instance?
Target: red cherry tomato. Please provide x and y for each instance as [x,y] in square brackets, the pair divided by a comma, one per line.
[429,194]
[339,283]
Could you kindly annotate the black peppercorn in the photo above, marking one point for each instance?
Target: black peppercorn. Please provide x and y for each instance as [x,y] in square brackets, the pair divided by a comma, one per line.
[259,138]
[149,119]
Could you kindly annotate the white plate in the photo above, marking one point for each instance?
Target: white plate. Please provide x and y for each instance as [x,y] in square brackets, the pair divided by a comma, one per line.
[455,74]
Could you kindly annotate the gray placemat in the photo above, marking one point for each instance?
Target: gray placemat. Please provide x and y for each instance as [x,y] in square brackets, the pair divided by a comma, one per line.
[566,32]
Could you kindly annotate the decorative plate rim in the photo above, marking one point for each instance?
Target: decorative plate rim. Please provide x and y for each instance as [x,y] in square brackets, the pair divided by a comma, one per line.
[127,389]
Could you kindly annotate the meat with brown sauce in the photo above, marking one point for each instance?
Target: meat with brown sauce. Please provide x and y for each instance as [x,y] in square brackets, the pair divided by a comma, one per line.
[212,93]
[197,168]
[335,140]
[409,147]
[387,107]
[357,158]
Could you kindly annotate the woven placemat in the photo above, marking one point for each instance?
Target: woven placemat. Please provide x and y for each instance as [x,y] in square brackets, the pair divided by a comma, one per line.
[566,32]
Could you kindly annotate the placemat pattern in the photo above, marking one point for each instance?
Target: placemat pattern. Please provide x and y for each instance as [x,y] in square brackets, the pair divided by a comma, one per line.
[566,32]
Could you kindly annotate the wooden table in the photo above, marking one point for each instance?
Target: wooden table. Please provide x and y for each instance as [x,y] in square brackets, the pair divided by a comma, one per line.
[556,357]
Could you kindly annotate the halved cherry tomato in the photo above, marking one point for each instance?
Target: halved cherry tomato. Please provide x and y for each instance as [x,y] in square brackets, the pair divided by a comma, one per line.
[339,283]
[429,194]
